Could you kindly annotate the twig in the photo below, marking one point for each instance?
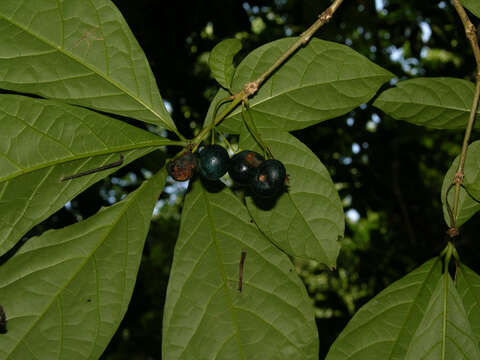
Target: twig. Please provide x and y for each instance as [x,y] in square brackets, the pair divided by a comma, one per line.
[92,171]
[470,30]
[252,87]
[240,272]
[3,321]
[471,33]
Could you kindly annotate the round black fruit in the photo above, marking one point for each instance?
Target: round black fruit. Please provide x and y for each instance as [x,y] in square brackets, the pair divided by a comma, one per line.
[183,167]
[214,161]
[269,178]
[243,165]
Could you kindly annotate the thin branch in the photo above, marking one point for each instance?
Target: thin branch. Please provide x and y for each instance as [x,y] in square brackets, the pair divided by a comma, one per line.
[470,31]
[252,87]
[92,171]
[471,34]
[240,270]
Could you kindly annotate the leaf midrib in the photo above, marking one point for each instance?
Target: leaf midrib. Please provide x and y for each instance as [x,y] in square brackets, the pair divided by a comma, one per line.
[268,98]
[92,69]
[444,315]
[222,271]
[428,105]
[151,143]
[126,207]
[412,307]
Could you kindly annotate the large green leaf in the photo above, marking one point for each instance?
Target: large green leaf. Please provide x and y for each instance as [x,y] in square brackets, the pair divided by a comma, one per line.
[440,103]
[473,6]
[206,316]
[221,61]
[384,327]
[81,52]
[444,332]
[321,81]
[66,291]
[40,142]
[468,287]
[468,205]
[307,220]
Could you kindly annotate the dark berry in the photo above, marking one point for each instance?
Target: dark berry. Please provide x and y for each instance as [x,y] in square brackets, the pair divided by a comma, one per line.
[242,166]
[183,167]
[269,178]
[214,161]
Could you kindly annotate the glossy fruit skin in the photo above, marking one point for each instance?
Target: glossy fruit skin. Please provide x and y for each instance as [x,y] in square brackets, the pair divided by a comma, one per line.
[183,167]
[243,165]
[214,161]
[269,179]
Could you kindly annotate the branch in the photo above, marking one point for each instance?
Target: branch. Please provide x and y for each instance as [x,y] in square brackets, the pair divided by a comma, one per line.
[252,87]
[471,33]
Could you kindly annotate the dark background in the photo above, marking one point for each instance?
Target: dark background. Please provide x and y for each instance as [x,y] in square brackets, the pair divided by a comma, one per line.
[390,172]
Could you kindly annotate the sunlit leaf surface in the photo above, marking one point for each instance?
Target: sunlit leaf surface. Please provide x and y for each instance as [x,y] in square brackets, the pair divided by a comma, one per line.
[221,61]
[66,291]
[81,52]
[384,328]
[440,103]
[43,141]
[321,81]
[307,219]
[206,316]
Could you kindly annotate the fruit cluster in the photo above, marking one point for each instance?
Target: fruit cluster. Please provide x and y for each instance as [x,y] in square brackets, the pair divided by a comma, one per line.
[265,178]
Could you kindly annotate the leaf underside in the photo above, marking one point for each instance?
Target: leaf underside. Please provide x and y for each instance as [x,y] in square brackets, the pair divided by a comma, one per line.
[468,202]
[439,103]
[206,316]
[444,332]
[221,61]
[66,291]
[321,81]
[307,220]
[40,142]
[468,287]
[473,6]
[81,52]
[384,327]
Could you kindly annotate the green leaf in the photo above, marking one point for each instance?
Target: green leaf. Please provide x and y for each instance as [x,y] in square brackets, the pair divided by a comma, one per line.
[468,205]
[468,287]
[81,52]
[221,61]
[440,103]
[206,316]
[40,142]
[473,6]
[384,327]
[306,221]
[321,81]
[444,332]
[66,291]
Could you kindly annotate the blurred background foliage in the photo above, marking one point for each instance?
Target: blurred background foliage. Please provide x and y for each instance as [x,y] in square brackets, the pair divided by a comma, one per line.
[388,173]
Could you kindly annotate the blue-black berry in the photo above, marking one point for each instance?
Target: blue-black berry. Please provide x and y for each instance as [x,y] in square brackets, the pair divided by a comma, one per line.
[269,178]
[243,165]
[214,161]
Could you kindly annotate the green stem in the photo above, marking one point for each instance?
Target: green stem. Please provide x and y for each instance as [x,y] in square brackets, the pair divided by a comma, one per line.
[204,133]
[250,124]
